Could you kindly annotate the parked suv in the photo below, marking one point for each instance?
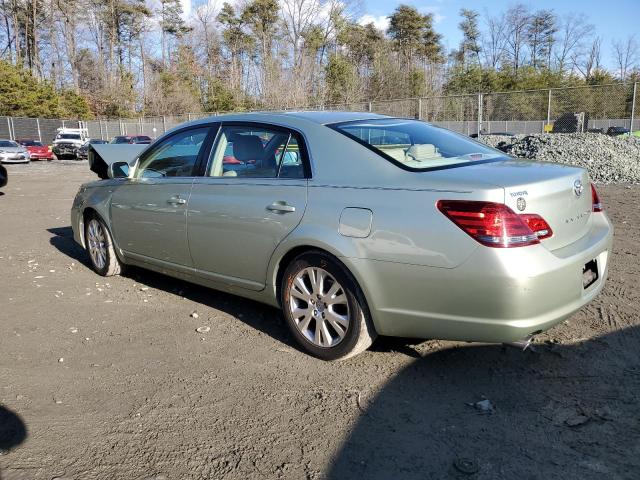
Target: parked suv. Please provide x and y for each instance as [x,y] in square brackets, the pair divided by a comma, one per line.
[68,141]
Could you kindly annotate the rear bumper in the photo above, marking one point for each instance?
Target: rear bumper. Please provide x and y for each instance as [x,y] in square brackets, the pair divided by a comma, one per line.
[497,295]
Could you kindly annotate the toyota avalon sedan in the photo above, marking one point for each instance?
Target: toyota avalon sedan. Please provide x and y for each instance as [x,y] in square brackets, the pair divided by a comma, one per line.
[355,225]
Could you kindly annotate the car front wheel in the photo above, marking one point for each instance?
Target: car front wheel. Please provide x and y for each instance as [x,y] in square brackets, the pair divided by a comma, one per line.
[99,245]
[324,307]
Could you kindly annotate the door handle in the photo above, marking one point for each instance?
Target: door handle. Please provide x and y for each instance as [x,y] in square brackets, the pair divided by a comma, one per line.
[176,200]
[281,207]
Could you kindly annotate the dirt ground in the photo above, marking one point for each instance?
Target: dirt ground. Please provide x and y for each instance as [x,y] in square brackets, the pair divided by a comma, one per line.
[108,378]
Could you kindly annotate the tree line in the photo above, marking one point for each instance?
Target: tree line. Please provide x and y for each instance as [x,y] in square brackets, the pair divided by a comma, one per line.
[130,57]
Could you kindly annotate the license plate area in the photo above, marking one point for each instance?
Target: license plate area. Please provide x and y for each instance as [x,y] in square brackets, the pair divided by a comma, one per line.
[589,273]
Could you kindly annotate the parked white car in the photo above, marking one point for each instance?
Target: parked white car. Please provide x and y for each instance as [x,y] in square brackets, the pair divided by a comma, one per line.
[12,152]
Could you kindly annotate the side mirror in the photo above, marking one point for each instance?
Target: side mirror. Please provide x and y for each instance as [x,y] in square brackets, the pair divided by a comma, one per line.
[118,170]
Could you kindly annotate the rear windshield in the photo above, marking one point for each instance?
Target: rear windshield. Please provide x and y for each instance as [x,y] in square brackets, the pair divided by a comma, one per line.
[415,145]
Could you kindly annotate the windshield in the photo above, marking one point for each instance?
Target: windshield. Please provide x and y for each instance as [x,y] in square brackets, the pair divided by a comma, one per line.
[416,145]
[7,143]
[69,136]
[121,140]
[30,143]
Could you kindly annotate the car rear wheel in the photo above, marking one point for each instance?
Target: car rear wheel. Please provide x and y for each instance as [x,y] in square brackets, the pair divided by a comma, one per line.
[99,245]
[324,307]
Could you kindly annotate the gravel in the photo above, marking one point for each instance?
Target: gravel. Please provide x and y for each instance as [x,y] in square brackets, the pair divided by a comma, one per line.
[608,159]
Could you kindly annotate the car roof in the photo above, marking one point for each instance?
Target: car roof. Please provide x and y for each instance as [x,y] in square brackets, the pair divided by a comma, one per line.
[322,117]
[327,117]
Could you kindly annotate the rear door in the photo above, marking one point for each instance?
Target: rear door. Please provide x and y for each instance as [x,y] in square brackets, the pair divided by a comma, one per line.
[149,211]
[253,194]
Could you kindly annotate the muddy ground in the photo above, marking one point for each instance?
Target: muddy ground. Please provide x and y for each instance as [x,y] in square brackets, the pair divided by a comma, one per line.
[108,378]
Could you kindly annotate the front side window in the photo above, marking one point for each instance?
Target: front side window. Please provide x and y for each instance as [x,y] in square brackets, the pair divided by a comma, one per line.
[256,152]
[415,145]
[175,156]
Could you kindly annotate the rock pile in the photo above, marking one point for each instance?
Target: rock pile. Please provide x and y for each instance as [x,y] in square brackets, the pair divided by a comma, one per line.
[608,159]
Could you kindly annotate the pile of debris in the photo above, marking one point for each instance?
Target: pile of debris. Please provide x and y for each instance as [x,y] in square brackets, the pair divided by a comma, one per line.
[608,159]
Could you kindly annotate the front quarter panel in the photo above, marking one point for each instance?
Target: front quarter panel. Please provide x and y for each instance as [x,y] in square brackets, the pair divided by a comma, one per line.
[95,196]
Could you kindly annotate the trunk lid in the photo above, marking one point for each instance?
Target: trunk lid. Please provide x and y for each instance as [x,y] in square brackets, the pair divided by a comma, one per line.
[558,193]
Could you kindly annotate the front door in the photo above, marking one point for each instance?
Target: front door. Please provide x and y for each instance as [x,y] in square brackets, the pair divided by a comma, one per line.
[149,211]
[252,196]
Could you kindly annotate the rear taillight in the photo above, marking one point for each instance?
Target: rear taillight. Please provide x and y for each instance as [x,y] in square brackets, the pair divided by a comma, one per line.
[538,225]
[596,205]
[495,224]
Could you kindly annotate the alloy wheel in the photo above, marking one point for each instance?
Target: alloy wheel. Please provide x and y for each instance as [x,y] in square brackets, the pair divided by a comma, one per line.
[97,243]
[319,307]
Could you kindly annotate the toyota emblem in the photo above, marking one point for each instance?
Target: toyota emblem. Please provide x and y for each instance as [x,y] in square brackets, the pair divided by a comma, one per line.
[521,203]
[577,188]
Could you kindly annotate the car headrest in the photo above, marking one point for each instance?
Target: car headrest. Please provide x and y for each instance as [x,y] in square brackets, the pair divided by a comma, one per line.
[247,147]
[424,151]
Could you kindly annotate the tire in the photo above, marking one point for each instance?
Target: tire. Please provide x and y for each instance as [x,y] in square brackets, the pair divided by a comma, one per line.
[99,246]
[325,308]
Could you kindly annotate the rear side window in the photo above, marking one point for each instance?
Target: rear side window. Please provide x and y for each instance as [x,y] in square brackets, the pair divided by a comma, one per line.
[256,152]
[416,145]
[175,156]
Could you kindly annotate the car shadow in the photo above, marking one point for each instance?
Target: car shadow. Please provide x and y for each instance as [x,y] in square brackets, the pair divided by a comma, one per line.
[13,431]
[567,411]
[266,319]
[262,317]
[63,241]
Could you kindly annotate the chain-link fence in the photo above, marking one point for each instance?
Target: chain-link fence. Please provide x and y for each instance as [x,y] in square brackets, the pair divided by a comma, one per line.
[578,109]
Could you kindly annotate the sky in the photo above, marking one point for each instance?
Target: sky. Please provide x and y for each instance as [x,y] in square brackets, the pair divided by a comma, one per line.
[611,20]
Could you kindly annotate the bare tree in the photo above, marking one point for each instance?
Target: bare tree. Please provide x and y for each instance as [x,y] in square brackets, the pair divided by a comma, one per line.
[205,17]
[494,40]
[625,53]
[517,22]
[298,17]
[575,30]
[591,62]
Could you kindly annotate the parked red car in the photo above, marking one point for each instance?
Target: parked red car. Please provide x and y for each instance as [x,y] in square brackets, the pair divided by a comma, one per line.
[36,150]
